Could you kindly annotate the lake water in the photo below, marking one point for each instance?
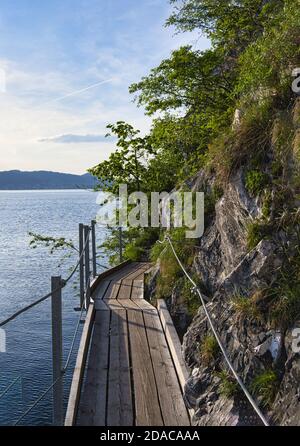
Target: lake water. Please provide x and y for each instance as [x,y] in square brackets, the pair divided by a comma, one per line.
[25,276]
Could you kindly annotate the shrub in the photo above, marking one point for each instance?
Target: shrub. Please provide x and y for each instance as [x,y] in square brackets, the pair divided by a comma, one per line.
[257,231]
[228,386]
[265,387]
[284,309]
[133,253]
[190,299]
[247,145]
[170,271]
[255,182]
[267,204]
[264,66]
[156,251]
[209,349]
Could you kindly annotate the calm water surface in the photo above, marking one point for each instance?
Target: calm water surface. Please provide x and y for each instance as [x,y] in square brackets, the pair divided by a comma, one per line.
[25,276]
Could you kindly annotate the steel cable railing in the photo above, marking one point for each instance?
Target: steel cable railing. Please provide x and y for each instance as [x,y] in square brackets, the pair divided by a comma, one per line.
[10,386]
[64,369]
[47,296]
[83,253]
[238,379]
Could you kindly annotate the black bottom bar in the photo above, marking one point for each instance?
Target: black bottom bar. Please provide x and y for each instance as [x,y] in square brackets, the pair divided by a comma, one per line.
[135,435]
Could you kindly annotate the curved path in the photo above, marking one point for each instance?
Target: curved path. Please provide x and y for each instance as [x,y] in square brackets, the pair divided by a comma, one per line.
[131,376]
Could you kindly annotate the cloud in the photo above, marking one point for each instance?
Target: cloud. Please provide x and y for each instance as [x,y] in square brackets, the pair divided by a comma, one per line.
[72,138]
[53,115]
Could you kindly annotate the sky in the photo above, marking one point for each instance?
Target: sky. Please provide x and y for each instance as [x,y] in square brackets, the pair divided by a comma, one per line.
[65,69]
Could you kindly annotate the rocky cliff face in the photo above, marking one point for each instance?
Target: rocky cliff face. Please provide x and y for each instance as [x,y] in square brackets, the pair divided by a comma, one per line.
[227,268]
[252,289]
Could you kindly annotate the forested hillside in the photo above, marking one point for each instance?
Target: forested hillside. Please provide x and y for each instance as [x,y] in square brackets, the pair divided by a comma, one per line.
[226,121]
[17,180]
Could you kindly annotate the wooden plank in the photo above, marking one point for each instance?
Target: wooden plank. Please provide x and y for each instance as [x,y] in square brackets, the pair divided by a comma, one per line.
[137,289]
[173,342]
[109,272]
[119,403]
[92,409]
[76,385]
[172,405]
[125,289]
[100,305]
[138,273]
[113,304]
[114,274]
[129,304]
[147,406]
[149,270]
[101,290]
[144,305]
[113,290]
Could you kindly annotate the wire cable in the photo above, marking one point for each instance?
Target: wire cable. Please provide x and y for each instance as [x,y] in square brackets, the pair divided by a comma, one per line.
[9,387]
[74,339]
[37,401]
[47,296]
[238,379]
[67,363]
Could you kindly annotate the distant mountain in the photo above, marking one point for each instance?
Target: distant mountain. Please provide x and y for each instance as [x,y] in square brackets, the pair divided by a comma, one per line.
[18,180]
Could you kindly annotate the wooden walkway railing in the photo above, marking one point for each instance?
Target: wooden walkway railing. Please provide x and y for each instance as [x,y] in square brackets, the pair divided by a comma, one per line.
[129,368]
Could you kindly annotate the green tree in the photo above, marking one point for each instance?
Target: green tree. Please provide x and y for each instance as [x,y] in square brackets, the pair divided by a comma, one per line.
[127,164]
[231,25]
[189,81]
[192,91]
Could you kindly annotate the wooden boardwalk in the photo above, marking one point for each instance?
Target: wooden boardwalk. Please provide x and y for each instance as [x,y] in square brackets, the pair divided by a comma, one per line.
[132,376]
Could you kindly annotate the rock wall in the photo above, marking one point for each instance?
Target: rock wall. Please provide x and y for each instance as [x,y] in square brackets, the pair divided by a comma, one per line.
[225,267]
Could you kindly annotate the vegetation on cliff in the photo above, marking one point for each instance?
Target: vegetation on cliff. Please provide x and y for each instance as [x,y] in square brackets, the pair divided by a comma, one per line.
[193,96]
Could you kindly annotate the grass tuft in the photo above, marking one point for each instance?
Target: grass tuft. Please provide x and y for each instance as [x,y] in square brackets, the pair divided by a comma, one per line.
[228,386]
[246,307]
[209,349]
[265,387]
[257,231]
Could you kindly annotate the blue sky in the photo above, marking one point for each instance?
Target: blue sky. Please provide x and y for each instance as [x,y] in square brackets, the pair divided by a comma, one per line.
[67,66]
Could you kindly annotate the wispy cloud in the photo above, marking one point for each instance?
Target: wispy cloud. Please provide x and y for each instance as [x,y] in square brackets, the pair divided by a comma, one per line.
[72,138]
[53,114]
[82,90]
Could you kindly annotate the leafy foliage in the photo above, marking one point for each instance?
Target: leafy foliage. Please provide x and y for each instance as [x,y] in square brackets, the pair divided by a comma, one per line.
[53,244]
[127,164]
[193,80]
[50,242]
[263,66]
[256,182]
[192,95]
[232,25]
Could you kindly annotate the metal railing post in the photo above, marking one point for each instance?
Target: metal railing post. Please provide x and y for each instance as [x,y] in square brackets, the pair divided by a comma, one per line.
[57,349]
[94,250]
[81,266]
[87,265]
[121,244]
